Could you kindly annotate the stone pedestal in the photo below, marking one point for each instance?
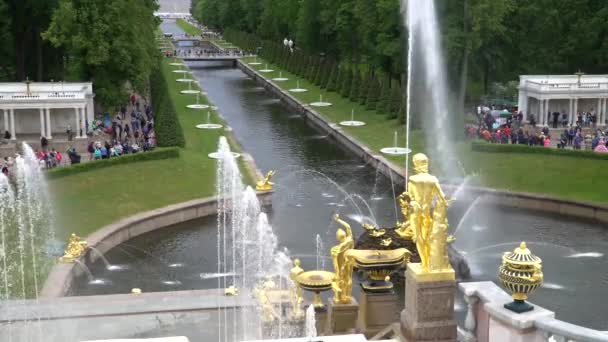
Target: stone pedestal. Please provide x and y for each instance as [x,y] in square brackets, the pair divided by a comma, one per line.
[342,318]
[377,311]
[429,306]
[321,320]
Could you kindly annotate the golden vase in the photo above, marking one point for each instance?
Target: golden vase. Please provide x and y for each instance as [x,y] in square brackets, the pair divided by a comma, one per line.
[521,274]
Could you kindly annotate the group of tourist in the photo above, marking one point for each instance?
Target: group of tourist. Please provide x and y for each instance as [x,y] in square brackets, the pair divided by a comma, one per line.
[512,131]
[583,119]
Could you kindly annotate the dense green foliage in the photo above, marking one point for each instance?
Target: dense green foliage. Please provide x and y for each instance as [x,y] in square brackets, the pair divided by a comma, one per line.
[168,129]
[157,154]
[485,41]
[482,146]
[110,42]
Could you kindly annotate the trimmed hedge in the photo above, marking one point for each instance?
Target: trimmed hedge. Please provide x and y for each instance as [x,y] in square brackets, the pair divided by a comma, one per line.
[157,154]
[483,146]
[166,125]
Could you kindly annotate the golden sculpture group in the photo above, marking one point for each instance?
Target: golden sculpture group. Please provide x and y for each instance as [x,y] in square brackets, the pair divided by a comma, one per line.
[74,249]
[425,224]
[265,184]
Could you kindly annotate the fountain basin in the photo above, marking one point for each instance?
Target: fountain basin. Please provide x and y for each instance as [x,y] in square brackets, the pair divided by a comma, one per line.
[197,106]
[190,92]
[216,155]
[280,79]
[177,64]
[209,126]
[185,80]
[320,104]
[181,71]
[298,90]
[353,123]
[396,151]
[266,70]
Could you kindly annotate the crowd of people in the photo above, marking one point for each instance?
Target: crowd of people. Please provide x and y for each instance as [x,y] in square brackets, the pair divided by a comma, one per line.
[512,130]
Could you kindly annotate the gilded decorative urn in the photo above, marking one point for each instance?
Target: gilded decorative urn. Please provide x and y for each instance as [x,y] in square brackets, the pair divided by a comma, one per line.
[521,274]
[379,264]
[316,282]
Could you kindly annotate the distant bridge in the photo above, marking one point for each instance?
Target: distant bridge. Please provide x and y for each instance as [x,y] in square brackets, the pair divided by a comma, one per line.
[219,57]
[173,15]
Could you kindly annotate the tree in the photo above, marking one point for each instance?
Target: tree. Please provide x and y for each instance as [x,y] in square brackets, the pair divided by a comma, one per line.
[364,88]
[384,100]
[308,27]
[356,87]
[333,79]
[7,65]
[346,83]
[319,73]
[396,100]
[373,93]
[103,47]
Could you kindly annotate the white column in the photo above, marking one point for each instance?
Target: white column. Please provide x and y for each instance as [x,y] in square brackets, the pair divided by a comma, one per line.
[547,117]
[570,112]
[524,110]
[598,111]
[12,112]
[75,127]
[42,131]
[541,109]
[575,111]
[5,120]
[48,124]
[602,115]
[83,127]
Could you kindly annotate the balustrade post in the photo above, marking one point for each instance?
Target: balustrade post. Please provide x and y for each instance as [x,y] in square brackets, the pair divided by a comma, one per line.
[470,322]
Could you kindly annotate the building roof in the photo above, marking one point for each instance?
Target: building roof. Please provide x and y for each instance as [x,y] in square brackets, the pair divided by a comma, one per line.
[560,85]
[37,92]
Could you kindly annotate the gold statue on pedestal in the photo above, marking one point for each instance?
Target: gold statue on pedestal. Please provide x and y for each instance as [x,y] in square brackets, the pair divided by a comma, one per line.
[343,267]
[74,250]
[296,296]
[430,224]
[261,293]
[404,229]
[265,184]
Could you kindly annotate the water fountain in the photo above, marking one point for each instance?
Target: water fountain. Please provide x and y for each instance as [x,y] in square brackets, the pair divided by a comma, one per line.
[280,78]
[321,103]
[266,70]
[190,91]
[352,122]
[247,248]
[197,106]
[395,150]
[209,125]
[255,62]
[297,89]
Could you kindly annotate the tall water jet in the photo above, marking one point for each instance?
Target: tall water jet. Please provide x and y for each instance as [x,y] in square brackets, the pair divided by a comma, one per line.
[247,251]
[425,58]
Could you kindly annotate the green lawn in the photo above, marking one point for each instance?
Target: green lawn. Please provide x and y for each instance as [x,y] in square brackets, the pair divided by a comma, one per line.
[188,28]
[87,201]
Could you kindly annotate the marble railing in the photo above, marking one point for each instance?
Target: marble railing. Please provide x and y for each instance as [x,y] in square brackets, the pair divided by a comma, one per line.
[487,320]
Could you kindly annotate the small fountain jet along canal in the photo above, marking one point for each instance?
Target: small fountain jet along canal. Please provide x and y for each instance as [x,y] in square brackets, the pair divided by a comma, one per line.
[197,106]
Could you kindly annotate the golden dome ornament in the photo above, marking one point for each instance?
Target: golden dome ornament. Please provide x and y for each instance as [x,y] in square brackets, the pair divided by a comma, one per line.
[521,274]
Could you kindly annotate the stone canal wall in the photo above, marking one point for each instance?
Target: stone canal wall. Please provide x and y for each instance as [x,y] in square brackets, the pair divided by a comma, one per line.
[536,202]
[60,279]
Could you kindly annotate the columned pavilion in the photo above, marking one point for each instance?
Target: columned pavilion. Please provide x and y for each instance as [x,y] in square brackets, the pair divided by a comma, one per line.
[30,108]
[568,94]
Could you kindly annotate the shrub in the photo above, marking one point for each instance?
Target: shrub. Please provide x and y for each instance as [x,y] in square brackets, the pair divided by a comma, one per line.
[157,154]
[355,87]
[366,82]
[166,125]
[373,94]
[384,101]
[482,146]
[333,79]
[346,83]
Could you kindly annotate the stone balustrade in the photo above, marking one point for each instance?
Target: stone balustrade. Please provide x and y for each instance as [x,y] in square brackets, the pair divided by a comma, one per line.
[487,320]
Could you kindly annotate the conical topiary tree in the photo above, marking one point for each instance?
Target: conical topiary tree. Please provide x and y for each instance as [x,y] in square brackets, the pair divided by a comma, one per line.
[355,87]
[319,73]
[373,94]
[304,63]
[346,84]
[333,79]
[384,100]
[312,68]
[396,99]
[326,74]
[364,88]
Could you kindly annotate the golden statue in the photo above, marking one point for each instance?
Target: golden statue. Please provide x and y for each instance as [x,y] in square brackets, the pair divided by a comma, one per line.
[231,291]
[343,268]
[430,226]
[261,293]
[74,250]
[296,296]
[265,184]
[404,229]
